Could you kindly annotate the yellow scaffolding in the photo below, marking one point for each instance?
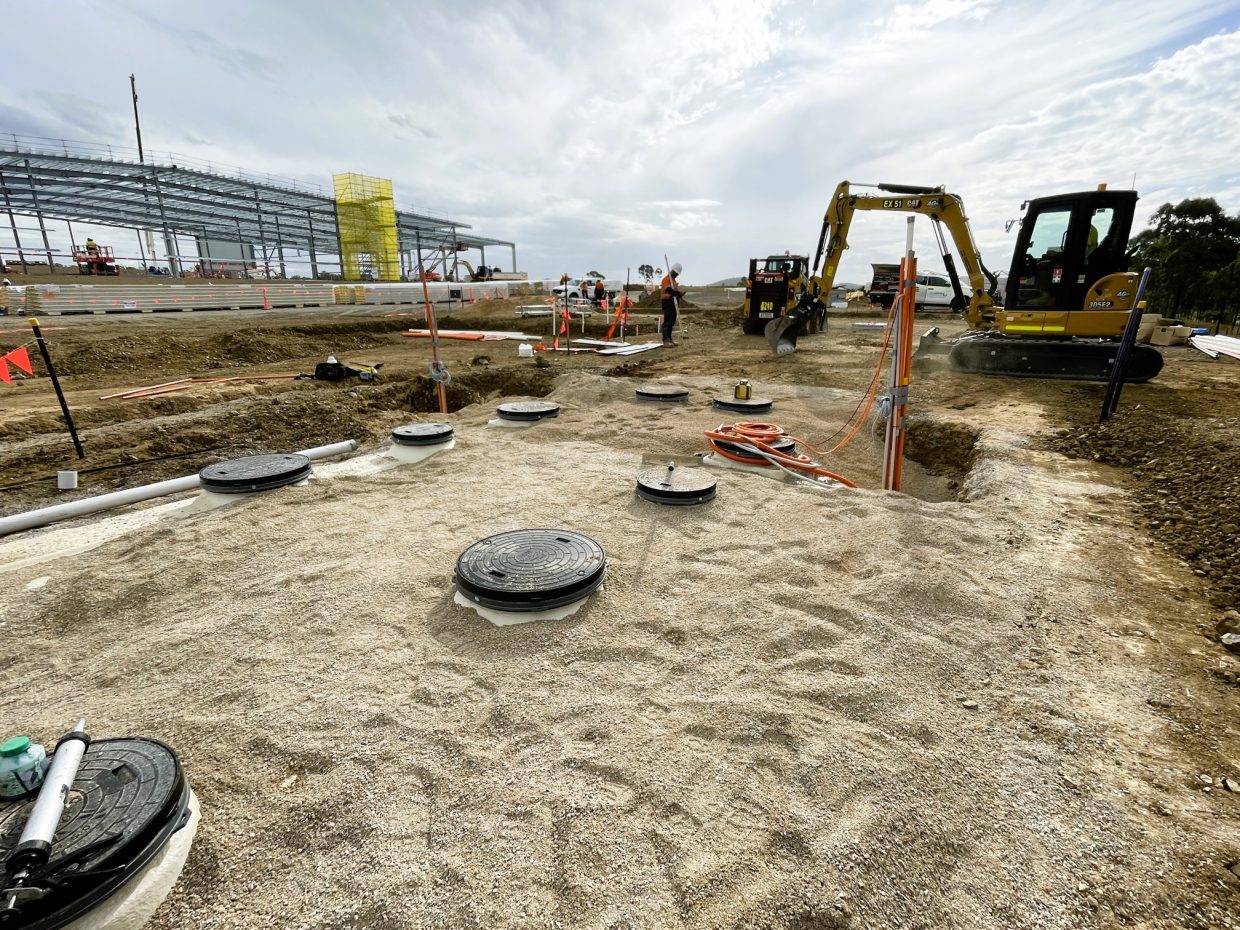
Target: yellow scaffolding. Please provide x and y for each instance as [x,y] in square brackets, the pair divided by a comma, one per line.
[366,216]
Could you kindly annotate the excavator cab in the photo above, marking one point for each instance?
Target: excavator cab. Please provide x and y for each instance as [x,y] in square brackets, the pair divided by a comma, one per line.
[1067,244]
[1069,295]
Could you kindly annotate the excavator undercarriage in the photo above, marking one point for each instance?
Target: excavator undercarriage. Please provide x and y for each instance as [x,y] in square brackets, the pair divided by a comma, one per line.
[991,353]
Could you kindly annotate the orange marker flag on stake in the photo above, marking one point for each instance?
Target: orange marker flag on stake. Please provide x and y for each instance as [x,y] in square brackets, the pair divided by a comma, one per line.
[20,358]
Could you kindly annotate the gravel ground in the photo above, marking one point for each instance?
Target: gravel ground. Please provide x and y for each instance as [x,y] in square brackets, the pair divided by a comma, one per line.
[981,705]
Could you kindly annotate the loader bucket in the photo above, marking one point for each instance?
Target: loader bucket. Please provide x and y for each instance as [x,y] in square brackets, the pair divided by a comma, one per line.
[783,331]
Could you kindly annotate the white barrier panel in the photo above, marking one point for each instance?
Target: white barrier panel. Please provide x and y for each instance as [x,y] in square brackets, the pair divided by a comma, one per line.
[170,298]
[67,299]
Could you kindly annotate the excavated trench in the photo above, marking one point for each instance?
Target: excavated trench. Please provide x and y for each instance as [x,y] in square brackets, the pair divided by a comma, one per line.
[476,386]
[945,450]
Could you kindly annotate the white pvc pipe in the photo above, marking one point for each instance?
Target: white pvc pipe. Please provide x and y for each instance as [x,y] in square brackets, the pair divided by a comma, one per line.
[57,512]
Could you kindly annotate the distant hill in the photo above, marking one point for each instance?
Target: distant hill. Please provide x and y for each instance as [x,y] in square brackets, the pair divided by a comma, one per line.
[727,282]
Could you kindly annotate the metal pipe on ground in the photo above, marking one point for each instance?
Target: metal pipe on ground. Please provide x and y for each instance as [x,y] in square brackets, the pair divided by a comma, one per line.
[80,508]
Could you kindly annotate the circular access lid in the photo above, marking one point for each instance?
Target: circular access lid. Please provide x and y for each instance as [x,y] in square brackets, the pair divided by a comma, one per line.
[672,485]
[527,570]
[752,405]
[129,796]
[666,393]
[422,434]
[255,473]
[528,410]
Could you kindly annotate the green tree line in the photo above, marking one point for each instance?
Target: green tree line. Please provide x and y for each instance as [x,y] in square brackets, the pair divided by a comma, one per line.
[1193,248]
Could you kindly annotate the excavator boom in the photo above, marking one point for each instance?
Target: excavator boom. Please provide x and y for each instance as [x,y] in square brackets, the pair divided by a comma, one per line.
[944,209]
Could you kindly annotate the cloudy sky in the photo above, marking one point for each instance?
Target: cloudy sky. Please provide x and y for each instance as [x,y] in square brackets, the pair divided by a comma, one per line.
[606,134]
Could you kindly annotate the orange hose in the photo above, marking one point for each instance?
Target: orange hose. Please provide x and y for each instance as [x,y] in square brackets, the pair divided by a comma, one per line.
[855,422]
[760,436]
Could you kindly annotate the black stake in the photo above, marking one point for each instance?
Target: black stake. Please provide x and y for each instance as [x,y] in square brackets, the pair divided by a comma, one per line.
[1110,403]
[60,395]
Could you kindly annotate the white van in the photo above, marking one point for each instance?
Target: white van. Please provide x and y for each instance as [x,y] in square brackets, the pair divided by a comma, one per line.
[934,290]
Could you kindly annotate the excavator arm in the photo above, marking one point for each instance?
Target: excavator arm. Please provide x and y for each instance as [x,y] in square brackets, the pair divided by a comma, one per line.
[944,210]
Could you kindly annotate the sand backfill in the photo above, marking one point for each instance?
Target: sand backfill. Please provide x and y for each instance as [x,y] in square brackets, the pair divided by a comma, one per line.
[786,708]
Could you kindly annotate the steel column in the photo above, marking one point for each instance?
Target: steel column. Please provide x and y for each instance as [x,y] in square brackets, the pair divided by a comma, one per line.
[314,259]
[262,232]
[17,240]
[34,198]
[174,264]
[241,247]
[280,246]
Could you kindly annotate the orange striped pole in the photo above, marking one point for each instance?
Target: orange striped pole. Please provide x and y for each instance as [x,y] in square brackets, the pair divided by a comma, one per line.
[901,369]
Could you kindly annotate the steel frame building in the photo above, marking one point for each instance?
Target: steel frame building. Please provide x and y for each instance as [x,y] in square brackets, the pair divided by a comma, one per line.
[80,182]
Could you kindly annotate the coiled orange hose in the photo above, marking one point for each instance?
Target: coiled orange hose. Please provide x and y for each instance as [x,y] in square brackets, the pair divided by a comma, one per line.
[761,436]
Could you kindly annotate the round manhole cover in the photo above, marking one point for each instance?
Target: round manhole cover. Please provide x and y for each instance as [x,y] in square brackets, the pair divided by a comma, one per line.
[752,405]
[528,410]
[255,473]
[528,570]
[128,798]
[422,434]
[673,485]
[665,393]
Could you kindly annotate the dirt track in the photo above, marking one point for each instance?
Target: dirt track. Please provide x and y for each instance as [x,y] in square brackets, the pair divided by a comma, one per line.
[992,709]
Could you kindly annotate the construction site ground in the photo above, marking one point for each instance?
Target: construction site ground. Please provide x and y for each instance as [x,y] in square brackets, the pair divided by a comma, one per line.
[999,700]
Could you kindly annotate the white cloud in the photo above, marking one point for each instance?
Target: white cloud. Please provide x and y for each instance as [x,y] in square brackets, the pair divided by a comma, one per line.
[603,135]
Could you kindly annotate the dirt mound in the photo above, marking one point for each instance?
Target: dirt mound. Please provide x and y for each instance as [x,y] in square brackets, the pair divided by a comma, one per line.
[652,301]
[246,345]
[1188,488]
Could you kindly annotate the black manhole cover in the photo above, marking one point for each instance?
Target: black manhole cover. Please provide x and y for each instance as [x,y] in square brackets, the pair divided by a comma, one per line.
[255,473]
[422,434]
[526,570]
[666,393]
[127,800]
[786,445]
[528,410]
[753,405]
[673,485]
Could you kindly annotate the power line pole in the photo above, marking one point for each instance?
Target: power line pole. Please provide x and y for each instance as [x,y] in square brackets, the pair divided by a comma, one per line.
[133,88]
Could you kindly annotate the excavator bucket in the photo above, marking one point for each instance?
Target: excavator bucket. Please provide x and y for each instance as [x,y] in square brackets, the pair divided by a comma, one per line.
[782,333]
[932,347]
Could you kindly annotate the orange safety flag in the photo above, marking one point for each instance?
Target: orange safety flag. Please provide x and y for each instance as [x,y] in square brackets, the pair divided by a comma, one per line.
[20,358]
[4,372]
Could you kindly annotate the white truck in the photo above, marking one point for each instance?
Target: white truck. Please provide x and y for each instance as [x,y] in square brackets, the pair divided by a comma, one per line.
[934,290]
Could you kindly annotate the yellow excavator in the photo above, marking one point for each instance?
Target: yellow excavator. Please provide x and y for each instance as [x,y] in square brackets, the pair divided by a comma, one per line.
[1069,291]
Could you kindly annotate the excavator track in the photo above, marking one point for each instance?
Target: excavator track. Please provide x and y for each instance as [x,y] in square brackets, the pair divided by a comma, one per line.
[1050,358]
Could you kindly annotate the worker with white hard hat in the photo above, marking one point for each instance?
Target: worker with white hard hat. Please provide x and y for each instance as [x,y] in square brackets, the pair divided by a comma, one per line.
[669,294]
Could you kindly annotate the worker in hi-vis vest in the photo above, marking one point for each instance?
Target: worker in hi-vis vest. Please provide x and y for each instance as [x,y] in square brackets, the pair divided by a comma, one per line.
[669,294]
